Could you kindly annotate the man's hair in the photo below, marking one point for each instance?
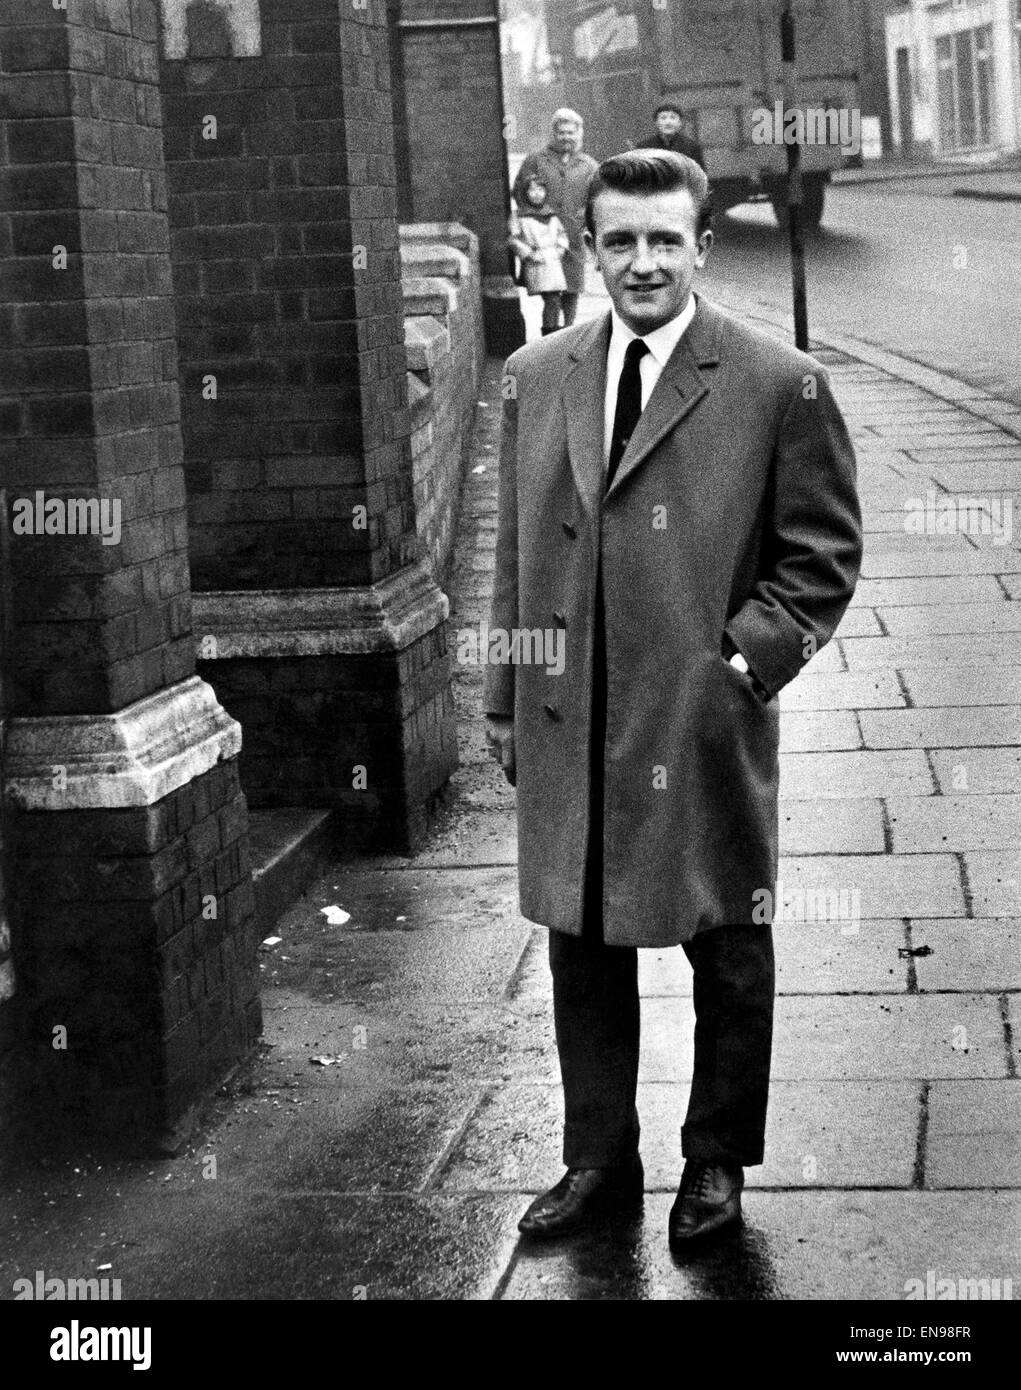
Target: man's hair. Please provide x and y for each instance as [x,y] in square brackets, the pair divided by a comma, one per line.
[669,106]
[565,114]
[646,172]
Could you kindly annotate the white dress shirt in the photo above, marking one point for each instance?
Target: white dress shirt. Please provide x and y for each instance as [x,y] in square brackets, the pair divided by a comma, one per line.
[661,344]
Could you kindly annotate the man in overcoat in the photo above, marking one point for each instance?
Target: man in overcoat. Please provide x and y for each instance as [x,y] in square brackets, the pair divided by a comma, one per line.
[677,501]
[565,170]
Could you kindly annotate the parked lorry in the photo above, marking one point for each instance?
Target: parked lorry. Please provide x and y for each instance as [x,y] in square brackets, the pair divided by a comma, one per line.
[720,61]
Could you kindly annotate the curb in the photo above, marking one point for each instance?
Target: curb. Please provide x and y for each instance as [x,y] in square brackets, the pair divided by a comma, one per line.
[955,171]
[990,195]
[971,399]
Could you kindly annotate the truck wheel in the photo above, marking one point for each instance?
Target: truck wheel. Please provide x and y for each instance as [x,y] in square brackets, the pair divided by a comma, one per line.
[812,202]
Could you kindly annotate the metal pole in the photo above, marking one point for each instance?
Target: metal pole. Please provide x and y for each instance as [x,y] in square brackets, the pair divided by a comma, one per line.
[787,47]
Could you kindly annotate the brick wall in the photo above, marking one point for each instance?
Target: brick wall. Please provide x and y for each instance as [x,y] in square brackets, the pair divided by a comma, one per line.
[456,150]
[99,627]
[312,723]
[137,935]
[87,359]
[444,340]
[287,275]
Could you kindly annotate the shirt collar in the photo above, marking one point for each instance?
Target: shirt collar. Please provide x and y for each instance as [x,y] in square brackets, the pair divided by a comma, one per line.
[661,342]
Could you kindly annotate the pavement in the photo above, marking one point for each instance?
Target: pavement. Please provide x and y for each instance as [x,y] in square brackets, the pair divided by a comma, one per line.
[405,1105]
[997,180]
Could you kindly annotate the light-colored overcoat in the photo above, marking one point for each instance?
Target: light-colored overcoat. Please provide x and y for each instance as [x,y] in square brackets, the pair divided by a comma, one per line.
[733,518]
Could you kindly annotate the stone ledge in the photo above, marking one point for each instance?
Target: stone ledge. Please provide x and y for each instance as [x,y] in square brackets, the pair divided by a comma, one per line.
[449,233]
[132,758]
[359,621]
[420,402]
[428,297]
[425,340]
[434,259]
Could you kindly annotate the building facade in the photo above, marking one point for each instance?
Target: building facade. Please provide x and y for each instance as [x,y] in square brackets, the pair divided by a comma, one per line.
[219,338]
[954,73]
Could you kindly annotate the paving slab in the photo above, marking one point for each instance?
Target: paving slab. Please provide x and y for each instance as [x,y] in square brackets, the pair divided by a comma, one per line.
[975,954]
[480,1042]
[882,521]
[973,1135]
[830,826]
[920,824]
[285,1139]
[411,899]
[900,772]
[989,559]
[807,731]
[959,649]
[853,1037]
[886,1036]
[966,476]
[915,543]
[794,1245]
[1013,1014]
[863,886]
[476,838]
[1001,616]
[337,1247]
[962,685]
[880,593]
[977,771]
[995,883]
[840,958]
[819,1134]
[859,622]
[960,727]
[843,690]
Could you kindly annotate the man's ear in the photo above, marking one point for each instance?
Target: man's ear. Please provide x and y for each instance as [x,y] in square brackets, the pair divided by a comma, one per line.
[590,243]
[705,242]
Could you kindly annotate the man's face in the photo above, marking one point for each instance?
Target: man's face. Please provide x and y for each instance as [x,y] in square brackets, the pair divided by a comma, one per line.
[668,123]
[566,136]
[647,249]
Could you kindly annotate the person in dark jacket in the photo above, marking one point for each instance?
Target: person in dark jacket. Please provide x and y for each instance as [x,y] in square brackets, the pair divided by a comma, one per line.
[670,134]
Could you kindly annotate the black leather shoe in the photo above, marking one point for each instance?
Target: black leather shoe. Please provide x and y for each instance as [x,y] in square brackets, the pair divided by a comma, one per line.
[579,1194]
[708,1200]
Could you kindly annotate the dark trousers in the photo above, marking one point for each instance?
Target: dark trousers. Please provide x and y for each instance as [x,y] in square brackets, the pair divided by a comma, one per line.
[551,311]
[596,1012]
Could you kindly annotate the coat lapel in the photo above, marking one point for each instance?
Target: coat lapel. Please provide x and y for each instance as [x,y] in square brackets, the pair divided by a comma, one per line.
[584,404]
[680,388]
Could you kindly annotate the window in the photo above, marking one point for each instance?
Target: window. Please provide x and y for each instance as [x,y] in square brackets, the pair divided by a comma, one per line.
[964,76]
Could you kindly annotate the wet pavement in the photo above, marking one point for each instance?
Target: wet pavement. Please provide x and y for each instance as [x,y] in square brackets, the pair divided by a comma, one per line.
[405,1105]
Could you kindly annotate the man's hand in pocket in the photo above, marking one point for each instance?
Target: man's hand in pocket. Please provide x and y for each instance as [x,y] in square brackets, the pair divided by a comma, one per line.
[500,737]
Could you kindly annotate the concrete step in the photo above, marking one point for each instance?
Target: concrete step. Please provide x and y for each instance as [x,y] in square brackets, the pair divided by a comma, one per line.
[291,846]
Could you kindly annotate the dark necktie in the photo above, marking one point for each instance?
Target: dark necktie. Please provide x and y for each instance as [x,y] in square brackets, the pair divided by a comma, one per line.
[629,405]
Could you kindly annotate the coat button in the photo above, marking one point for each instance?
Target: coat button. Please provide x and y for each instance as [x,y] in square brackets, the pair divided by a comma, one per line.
[560,620]
[569,530]
[553,713]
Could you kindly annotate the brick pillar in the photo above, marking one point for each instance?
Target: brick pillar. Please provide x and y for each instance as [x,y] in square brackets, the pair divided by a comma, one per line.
[131,892]
[452,85]
[316,620]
